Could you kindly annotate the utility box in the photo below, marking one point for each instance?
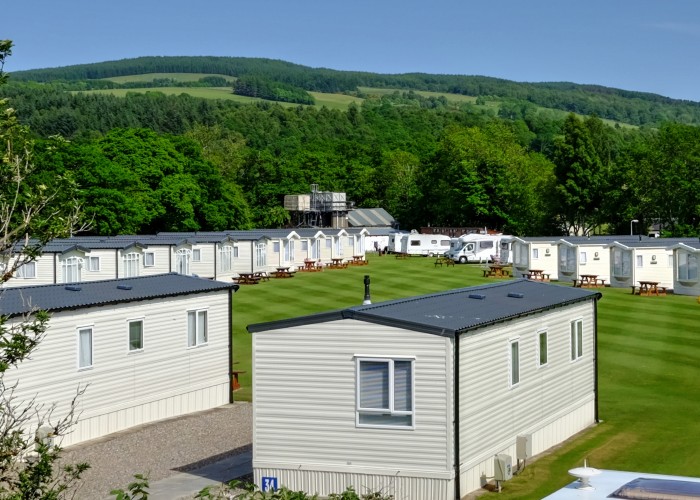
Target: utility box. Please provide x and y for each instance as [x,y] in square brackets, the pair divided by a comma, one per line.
[503,467]
[523,447]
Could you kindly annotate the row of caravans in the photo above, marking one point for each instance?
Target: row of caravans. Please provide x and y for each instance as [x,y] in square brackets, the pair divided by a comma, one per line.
[622,261]
[218,256]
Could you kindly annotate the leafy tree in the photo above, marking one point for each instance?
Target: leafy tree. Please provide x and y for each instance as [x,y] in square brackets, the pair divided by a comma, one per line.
[580,178]
[33,210]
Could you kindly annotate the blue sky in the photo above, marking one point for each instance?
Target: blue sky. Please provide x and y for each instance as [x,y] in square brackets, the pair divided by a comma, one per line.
[644,45]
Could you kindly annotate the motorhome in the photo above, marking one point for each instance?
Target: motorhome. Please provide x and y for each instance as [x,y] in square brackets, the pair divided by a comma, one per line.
[480,248]
[414,243]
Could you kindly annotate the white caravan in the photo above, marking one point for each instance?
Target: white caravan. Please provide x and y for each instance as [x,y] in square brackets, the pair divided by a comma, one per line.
[480,248]
[428,245]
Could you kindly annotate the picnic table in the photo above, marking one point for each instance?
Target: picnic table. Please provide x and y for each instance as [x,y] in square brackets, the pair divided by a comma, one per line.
[283,272]
[247,279]
[337,263]
[311,265]
[358,260]
[537,275]
[497,271]
[649,287]
[444,260]
[589,281]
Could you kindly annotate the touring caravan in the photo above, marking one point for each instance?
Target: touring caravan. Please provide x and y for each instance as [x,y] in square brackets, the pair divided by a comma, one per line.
[480,248]
[414,243]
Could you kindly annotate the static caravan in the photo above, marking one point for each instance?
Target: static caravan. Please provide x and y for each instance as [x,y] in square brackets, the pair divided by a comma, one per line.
[415,397]
[686,257]
[589,255]
[143,348]
[649,260]
[535,253]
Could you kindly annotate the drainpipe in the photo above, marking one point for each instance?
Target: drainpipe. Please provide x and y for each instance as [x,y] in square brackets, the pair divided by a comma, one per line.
[456,426]
[230,344]
[595,353]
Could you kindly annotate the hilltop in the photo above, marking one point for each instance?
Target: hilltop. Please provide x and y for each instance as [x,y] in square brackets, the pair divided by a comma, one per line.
[625,106]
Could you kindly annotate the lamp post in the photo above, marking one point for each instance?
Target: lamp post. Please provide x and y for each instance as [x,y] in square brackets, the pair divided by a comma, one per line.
[632,222]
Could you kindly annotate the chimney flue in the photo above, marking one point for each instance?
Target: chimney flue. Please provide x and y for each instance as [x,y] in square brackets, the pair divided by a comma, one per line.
[367,300]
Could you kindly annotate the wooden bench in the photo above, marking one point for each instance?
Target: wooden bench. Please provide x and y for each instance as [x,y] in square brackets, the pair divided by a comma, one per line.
[444,260]
[634,289]
[662,290]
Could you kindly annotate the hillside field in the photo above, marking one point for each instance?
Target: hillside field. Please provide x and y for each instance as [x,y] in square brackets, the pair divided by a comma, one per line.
[648,364]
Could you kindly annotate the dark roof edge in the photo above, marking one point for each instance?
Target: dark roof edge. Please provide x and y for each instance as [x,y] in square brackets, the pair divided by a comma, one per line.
[408,325]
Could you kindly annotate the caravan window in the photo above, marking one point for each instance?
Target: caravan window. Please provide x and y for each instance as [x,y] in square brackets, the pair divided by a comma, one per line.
[385,392]
[445,243]
[415,243]
[486,244]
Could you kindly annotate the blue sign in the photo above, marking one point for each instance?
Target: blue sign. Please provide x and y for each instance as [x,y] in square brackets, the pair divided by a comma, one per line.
[269,484]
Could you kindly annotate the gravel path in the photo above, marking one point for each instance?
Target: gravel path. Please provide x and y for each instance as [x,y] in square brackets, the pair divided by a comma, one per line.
[161,449]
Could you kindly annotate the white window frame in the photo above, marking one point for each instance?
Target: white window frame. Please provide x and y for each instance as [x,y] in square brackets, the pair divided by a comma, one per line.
[276,247]
[621,263]
[182,261]
[390,411]
[289,251]
[196,255]
[81,358]
[305,247]
[576,340]
[329,243]
[315,249]
[128,334]
[23,271]
[542,334]
[582,257]
[520,254]
[70,270]
[639,261]
[687,270]
[131,264]
[195,336]
[535,253]
[338,246]
[93,264]
[567,259]
[261,254]
[514,364]
[226,256]
[149,259]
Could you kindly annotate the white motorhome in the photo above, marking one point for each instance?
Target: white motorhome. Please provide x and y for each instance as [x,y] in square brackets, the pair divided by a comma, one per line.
[480,248]
[415,243]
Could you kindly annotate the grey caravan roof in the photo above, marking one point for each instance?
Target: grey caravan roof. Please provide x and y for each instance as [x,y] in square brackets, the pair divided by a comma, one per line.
[21,300]
[604,239]
[660,242]
[454,311]
[370,217]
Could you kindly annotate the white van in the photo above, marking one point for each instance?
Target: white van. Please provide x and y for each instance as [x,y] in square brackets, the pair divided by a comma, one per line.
[428,245]
[480,248]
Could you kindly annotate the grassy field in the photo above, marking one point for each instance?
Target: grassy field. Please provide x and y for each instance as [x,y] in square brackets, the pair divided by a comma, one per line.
[649,361]
[331,101]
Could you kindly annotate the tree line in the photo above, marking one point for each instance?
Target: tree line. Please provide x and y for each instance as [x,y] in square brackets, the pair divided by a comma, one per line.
[187,164]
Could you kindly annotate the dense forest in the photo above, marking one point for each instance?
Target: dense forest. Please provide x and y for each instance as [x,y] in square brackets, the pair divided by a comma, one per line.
[151,162]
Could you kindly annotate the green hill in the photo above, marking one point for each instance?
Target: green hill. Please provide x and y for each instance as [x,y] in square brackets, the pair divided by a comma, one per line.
[636,108]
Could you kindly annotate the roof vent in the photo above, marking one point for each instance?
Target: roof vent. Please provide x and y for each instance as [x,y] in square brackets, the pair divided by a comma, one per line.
[516,295]
[124,287]
[477,296]
[73,288]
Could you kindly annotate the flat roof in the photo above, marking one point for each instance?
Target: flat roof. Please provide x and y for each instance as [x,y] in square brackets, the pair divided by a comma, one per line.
[21,300]
[453,311]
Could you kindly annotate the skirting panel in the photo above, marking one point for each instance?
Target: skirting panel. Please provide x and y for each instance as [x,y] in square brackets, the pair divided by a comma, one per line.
[110,421]
[550,434]
[324,483]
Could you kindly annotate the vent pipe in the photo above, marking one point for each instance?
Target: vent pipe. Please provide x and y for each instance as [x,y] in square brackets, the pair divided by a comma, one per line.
[367,300]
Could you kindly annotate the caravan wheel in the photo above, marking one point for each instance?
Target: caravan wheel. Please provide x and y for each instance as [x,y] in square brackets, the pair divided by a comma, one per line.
[462,260]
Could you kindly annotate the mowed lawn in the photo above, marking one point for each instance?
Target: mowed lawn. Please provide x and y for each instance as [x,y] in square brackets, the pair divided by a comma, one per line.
[649,364]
